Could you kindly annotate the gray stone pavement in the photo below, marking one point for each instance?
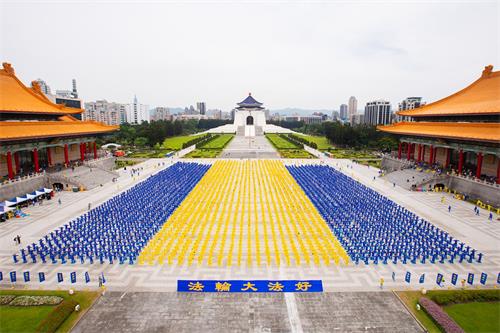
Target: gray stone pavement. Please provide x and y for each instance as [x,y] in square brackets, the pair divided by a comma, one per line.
[216,312]
[250,147]
[476,231]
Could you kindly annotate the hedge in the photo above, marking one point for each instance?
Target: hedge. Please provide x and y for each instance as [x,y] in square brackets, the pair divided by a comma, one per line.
[303,140]
[55,319]
[465,296]
[440,317]
[295,142]
[196,140]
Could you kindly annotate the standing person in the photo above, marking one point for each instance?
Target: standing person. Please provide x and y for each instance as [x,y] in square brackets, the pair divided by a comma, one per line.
[490,217]
[381,282]
[59,201]
[100,281]
[394,276]
[18,240]
[89,204]
[449,209]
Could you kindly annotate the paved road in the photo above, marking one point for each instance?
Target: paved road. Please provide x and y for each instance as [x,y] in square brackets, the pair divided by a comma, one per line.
[308,312]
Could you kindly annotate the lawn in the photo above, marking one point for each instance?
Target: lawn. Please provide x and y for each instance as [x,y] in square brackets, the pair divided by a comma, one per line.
[374,163]
[26,319]
[321,141]
[280,143]
[352,154]
[295,153]
[476,316]
[175,143]
[219,142]
[471,316]
[410,298]
[204,153]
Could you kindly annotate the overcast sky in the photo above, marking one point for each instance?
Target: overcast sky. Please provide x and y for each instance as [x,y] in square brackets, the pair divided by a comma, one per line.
[288,54]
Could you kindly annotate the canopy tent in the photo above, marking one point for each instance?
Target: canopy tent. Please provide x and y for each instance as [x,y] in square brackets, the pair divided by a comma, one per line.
[46,190]
[27,196]
[5,209]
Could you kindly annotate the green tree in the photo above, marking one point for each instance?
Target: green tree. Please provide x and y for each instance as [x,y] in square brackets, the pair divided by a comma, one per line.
[140,141]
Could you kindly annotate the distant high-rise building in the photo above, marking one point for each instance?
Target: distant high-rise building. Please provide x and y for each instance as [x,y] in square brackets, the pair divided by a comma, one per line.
[44,86]
[335,115]
[409,103]
[343,112]
[353,107]
[161,113]
[137,113]
[106,112]
[74,92]
[201,107]
[378,112]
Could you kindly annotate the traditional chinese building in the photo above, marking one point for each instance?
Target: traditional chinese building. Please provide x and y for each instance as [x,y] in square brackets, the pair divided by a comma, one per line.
[250,117]
[35,133]
[460,132]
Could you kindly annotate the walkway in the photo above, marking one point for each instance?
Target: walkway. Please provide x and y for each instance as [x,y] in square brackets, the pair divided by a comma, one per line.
[250,147]
[312,312]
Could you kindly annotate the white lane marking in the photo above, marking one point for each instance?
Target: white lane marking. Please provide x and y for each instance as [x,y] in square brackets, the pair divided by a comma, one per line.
[293,313]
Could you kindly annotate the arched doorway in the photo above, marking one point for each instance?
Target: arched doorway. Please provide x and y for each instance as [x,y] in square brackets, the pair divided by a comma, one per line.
[249,120]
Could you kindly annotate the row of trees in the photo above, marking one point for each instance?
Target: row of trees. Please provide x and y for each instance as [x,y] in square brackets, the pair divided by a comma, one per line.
[155,132]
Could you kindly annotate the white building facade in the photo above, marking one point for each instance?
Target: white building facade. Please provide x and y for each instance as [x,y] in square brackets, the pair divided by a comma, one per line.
[137,113]
[106,112]
[378,112]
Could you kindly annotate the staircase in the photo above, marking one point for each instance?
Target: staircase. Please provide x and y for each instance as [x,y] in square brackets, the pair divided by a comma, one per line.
[240,131]
[259,130]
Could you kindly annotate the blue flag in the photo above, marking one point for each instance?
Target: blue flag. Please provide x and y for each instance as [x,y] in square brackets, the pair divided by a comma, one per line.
[72,276]
[41,276]
[26,276]
[87,277]
[470,278]
[484,277]
[60,277]
[454,278]
[439,279]
[422,278]
[13,277]
[408,277]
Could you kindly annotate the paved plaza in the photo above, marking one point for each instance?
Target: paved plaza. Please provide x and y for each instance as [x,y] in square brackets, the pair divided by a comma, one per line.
[461,222]
[250,147]
[313,312]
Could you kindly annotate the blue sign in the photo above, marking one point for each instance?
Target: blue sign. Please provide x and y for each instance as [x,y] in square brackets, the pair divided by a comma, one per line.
[439,279]
[60,277]
[73,277]
[422,278]
[26,276]
[41,276]
[13,277]
[484,277]
[252,286]
[470,278]
[454,278]
[87,277]
[408,277]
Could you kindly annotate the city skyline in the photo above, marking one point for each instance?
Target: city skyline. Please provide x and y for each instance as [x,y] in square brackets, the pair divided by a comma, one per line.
[315,63]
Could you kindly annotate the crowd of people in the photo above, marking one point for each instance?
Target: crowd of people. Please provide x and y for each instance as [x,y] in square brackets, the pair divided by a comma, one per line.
[373,228]
[118,229]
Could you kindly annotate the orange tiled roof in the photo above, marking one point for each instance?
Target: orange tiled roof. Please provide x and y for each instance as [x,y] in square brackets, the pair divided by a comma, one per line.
[486,132]
[16,97]
[17,130]
[481,97]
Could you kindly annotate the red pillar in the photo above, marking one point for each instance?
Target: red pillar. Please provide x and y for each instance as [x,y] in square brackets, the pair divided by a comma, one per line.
[419,157]
[95,151]
[82,152]
[10,171]
[479,164]
[447,152]
[460,161]
[400,147]
[66,155]
[16,161]
[434,155]
[35,160]
[49,156]
[498,170]
[431,156]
